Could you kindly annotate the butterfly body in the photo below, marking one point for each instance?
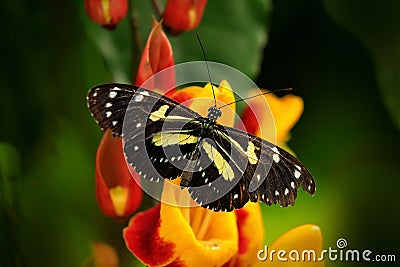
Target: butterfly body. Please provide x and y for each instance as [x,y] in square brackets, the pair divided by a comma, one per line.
[222,167]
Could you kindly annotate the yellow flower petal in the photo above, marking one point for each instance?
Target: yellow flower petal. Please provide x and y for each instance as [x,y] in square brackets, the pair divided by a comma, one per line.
[286,111]
[251,233]
[201,98]
[299,243]
[206,238]
[119,198]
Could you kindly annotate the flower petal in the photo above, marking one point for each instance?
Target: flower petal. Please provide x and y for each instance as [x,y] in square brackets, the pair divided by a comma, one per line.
[157,56]
[251,233]
[201,98]
[167,234]
[210,243]
[183,15]
[106,12]
[301,239]
[142,238]
[118,195]
[286,111]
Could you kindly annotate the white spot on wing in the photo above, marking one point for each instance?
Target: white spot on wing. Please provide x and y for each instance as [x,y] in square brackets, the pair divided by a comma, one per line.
[108,105]
[276,193]
[286,191]
[293,185]
[114,123]
[136,148]
[235,196]
[275,149]
[108,114]
[276,158]
[138,125]
[112,94]
[139,98]
[298,167]
[297,174]
[144,93]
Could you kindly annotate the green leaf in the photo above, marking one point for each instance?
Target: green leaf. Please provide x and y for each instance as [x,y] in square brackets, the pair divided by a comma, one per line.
[377,27]
[233,33]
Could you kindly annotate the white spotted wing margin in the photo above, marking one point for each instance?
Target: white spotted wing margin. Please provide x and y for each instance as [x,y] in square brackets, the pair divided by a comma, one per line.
[276,175]
[108,104]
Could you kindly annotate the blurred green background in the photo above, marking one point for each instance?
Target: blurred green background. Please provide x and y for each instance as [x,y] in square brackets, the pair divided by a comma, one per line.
[342,57]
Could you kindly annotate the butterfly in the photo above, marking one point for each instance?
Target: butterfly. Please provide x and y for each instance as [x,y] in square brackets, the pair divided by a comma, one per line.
[222,167]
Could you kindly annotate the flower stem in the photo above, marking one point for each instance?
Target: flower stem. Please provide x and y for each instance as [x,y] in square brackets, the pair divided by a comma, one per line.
[136,44]
[157,8]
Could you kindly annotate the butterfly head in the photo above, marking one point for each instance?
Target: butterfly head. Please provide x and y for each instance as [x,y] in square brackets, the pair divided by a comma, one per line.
[214,113]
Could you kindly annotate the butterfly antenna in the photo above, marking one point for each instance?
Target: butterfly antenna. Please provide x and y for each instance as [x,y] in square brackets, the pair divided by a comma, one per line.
[247,98]
[208,70]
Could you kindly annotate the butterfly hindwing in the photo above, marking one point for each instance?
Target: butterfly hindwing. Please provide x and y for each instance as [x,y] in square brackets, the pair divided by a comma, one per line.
[270,174]
[276,174]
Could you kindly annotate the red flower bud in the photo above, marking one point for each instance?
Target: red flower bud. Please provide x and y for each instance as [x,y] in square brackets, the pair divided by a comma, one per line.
[183,15]
[118,194]
[157,56]
[106,12]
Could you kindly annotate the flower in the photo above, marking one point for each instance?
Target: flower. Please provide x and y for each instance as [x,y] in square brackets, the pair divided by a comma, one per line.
[183,15]
[117,192]
[171,235]
[106,12]
[157,56]
[286,111]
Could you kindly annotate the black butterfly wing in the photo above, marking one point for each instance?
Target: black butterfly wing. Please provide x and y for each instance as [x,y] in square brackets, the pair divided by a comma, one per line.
[159,134]
[108,103]
[216,181]
[262,172]
[275,174]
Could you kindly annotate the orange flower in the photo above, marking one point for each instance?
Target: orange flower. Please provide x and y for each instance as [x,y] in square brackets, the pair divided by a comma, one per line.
[183,15]
[118,195]
[157,56]
[286,111]
[106,12]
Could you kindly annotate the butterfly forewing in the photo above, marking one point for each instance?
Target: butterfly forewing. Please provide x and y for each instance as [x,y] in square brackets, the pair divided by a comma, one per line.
[108,104]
